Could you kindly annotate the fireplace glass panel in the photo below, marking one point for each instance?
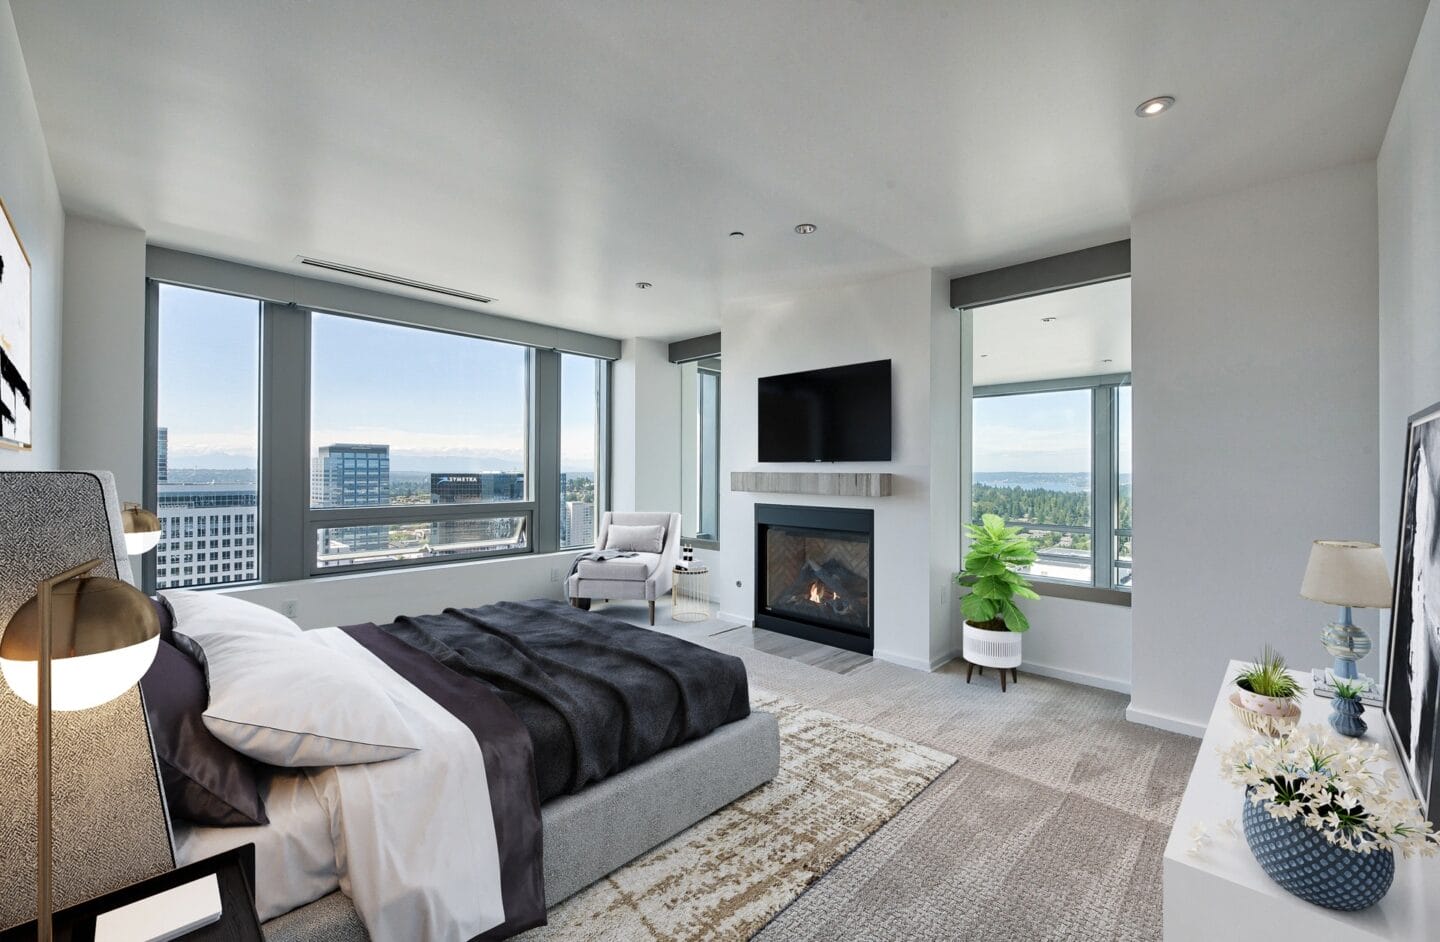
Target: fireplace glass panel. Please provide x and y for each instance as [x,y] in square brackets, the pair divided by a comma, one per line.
[822,577]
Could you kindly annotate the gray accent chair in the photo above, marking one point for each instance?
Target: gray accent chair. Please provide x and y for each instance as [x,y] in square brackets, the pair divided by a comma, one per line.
[647,576]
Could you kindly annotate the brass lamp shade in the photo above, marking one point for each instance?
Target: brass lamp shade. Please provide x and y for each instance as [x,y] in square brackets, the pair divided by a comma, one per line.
[104,636]
[142,529]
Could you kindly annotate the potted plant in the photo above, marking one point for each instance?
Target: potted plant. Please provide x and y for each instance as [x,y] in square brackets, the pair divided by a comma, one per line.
[1346,708]
[1322,817]
[993,622]
[1266,687]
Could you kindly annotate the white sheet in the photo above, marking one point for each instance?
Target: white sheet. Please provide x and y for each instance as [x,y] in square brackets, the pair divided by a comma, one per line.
[414,837]
[410,840]
[294,855]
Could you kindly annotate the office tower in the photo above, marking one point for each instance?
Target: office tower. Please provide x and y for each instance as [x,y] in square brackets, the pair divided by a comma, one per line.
[209,534]
[162,455]
[351,475]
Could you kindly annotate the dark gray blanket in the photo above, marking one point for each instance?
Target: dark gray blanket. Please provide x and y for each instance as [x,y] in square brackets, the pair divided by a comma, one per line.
[597,695]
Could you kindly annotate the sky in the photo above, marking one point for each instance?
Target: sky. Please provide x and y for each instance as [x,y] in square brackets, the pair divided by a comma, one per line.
[441,401]
[1044,432]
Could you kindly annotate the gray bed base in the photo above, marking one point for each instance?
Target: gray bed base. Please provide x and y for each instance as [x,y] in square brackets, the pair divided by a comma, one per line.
[609,824]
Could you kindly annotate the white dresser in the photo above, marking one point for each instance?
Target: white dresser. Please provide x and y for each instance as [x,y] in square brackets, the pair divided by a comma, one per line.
[1211,894]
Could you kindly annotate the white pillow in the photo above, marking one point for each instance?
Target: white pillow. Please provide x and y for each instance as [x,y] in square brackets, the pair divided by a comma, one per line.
[635,539]
[281,698]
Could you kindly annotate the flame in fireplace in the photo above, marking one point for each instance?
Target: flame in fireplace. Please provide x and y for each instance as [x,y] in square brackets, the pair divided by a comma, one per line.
[817,594]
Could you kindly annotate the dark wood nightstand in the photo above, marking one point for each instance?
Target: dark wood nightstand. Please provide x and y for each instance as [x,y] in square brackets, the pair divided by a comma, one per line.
[235,871]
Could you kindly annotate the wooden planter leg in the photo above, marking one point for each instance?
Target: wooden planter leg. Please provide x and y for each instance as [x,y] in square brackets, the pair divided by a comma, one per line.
[969,669]
[1015,674]
[1002,680]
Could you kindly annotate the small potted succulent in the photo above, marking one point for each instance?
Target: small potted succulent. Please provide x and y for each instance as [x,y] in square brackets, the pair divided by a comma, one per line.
[993,622]
[1323,816]
[1346,709]
[1266,687]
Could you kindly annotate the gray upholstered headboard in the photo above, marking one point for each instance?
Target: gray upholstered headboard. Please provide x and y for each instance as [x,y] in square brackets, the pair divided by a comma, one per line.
[110,825]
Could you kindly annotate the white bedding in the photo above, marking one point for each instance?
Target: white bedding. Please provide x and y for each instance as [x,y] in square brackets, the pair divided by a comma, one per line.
[411,840]
[294,855]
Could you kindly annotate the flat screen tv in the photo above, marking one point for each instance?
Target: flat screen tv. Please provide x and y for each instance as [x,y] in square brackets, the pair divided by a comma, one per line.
[839,414]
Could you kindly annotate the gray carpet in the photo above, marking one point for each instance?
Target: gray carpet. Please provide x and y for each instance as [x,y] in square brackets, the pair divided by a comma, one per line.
[1051,825]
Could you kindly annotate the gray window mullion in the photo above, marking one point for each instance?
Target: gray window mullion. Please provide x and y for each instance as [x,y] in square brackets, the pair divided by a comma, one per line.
[1102,510]
[545,427]
[284,442]
[150,478]
[378,514]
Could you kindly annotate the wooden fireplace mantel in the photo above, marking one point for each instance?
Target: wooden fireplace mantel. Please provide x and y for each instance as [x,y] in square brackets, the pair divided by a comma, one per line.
[826,483]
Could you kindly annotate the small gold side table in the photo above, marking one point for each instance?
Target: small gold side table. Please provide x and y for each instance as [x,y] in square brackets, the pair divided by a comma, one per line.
[690,594]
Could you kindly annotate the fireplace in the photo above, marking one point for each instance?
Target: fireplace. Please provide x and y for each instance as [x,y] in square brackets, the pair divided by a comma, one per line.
[814,574]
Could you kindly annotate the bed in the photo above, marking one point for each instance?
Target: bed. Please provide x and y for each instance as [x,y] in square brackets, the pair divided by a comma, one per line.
[595,741]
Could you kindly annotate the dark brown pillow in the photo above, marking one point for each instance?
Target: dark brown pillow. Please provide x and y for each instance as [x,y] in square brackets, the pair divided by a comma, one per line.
[205,780]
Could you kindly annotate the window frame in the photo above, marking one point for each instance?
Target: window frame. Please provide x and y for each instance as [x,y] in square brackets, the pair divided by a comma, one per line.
[288,526]
[1104,490]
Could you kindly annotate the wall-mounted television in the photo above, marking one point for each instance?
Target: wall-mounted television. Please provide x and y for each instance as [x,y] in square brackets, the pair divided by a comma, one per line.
[838,414]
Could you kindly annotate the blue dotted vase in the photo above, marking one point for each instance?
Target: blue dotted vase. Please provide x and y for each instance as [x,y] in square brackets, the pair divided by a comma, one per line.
[1303,862]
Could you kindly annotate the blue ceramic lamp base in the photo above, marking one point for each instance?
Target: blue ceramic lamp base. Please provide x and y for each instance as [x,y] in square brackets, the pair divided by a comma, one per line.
[1347,643]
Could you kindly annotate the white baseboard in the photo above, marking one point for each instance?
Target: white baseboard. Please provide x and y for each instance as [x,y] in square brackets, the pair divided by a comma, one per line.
[1170,724]
[1077,677]
[738,621]
[904,660]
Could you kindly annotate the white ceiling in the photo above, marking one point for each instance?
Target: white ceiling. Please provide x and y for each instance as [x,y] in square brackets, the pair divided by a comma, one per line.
[551,154]
[1089,336]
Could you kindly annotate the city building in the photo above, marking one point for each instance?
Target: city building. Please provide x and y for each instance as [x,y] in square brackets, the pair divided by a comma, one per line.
[477,488]
[577,524]
[162,455]
[210,534]
[351,475]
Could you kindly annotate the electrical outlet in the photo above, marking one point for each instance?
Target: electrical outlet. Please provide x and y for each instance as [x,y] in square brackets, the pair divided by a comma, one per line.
[290,608]
[554,573]
[738,584]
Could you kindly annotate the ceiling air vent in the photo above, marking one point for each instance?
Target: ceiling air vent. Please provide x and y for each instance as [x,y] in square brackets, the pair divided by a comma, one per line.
[392,279]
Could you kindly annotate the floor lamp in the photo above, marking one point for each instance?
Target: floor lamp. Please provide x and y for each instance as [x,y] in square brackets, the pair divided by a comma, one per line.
[81,641]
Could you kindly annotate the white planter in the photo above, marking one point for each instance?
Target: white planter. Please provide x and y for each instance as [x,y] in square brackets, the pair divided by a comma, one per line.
[991,648]
[1265,706]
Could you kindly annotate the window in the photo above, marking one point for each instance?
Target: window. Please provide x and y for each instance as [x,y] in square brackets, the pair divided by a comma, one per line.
[1032,463]
[700,449]
[581,402]
[207,439]
[414,442]
[1050,443]
[402,416]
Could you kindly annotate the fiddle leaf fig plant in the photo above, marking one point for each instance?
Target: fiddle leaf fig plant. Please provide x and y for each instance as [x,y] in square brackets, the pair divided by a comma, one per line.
[996,553]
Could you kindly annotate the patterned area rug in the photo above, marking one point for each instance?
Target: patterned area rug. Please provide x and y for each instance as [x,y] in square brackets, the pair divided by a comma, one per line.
[727,876]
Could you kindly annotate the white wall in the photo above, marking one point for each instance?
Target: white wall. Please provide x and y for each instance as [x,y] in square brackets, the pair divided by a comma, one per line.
[645,437]
[103,410]
[1409,189]
[1255,373]
[27,185]
[888,317]
[1083,642]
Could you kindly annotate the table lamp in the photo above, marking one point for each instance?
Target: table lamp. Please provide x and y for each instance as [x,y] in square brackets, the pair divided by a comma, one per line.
[142,529]
[1350,574]
[79,642]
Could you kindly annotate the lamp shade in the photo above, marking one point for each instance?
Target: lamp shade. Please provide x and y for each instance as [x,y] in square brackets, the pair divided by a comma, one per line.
[142,529]
[1347,572]
[104,635]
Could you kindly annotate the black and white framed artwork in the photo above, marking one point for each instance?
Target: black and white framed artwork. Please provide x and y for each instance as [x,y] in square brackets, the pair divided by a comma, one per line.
[15,380]
[1412,677]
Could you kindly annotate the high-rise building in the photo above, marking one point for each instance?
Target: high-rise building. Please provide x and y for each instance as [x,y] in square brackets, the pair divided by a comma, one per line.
[351,475]
[162,455]
[577,523]
[480,488]
[209,534]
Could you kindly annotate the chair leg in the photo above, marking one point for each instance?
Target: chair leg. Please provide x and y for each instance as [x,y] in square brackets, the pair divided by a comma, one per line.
[582,604]
[969,670]
[652,614]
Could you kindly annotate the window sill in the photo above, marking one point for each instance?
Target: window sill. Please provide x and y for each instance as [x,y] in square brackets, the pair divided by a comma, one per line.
[1080,593]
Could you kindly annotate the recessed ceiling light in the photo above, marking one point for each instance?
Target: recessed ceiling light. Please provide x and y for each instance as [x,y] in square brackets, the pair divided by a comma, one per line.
[643,285]
[805,228]
[1150,107]
[1047,320]
[737,234]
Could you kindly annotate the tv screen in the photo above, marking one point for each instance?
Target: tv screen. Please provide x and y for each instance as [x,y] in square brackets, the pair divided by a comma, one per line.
[839,414]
